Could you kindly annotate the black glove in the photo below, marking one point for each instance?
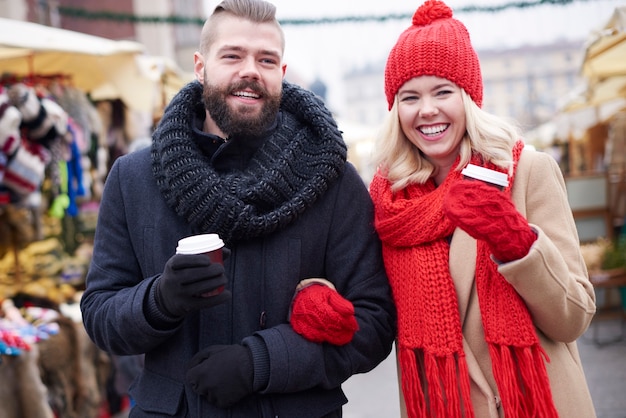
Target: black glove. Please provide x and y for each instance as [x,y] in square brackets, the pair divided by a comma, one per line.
[190,283]
[222,373]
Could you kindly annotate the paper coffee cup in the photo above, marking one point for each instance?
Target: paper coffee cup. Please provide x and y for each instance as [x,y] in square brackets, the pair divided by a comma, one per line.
[209,244]
[493,177]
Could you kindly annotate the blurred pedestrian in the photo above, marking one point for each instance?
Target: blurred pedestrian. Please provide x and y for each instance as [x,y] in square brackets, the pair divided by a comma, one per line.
[490,285]
[302,301]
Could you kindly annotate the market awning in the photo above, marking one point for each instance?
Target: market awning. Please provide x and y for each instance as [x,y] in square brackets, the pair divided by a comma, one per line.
[605,54]
[604,70]
[86,62]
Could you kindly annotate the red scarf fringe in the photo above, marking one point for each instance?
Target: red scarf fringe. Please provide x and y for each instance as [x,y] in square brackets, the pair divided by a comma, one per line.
[448,385]
[524,391]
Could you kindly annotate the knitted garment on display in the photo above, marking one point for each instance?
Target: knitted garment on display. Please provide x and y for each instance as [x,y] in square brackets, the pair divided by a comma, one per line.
[291,170]
[435,379]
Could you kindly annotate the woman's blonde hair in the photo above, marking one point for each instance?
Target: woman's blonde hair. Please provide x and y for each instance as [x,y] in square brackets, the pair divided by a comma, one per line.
[402,163]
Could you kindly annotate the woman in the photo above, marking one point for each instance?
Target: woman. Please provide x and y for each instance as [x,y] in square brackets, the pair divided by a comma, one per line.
[490,285]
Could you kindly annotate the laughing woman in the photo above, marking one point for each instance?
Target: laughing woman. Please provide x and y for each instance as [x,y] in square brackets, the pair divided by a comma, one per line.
[490,285]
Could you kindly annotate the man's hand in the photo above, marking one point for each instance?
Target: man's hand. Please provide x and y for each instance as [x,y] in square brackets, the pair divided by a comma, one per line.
[190,283]
[222,373]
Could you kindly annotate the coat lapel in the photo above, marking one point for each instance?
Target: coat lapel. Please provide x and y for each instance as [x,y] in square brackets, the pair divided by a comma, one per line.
[463,267]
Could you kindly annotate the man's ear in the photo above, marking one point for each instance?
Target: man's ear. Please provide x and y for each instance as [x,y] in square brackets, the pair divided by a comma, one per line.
[198,66]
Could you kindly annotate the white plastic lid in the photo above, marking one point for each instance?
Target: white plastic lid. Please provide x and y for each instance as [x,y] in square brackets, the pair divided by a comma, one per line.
[485,174]
[198,244]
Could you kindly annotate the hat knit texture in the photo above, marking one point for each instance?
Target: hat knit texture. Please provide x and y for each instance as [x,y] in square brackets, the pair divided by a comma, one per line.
[435,378]
[437,45]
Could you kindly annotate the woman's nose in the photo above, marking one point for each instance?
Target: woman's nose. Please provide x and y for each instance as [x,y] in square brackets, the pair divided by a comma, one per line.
[427,107]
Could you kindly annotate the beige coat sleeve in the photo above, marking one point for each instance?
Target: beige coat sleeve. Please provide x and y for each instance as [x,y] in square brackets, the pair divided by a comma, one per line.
[552,279]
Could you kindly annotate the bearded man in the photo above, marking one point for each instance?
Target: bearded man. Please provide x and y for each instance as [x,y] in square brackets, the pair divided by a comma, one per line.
[301,301]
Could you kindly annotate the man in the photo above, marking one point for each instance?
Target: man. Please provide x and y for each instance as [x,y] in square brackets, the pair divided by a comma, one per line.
[259,161]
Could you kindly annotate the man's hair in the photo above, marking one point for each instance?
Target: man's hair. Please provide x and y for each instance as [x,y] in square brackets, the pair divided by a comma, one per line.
[257,11]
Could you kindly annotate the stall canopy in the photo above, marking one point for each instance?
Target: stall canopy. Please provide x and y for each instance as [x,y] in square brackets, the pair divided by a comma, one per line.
[605,54]
[604,64]
[87,62]
[604,70]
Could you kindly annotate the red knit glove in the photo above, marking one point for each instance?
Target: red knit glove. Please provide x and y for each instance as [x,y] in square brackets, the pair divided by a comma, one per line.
[320,314]
[489,215]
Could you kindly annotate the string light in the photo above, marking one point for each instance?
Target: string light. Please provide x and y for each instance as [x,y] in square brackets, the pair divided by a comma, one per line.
[81,13]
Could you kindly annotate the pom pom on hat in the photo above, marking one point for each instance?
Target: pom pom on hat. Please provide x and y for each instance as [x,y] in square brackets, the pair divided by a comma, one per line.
[431,11]
[438,45]
[43,120]
[26,101]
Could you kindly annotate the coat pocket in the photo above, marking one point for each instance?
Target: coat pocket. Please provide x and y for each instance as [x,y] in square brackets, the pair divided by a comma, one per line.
[158,394]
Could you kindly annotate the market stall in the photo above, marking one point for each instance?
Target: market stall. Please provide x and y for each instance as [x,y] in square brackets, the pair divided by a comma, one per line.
[85,62]
[589,132]
[68,102]
[594,122]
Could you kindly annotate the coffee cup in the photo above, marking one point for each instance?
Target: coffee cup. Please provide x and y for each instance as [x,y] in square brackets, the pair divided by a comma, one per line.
[209,244]
[491,177]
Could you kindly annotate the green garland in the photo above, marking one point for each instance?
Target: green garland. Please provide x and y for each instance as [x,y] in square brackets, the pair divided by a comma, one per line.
[182,20]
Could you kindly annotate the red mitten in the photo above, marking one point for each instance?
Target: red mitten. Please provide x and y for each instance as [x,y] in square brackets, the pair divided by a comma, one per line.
[489,215]
[320,314]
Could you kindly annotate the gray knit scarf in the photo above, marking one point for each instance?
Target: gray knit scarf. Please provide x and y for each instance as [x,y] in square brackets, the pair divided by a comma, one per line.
[288,173]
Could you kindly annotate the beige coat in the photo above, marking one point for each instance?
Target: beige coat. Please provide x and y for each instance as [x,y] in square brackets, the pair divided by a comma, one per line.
[552,279]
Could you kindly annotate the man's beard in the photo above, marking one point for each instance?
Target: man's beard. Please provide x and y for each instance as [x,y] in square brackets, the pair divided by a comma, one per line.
[240,121]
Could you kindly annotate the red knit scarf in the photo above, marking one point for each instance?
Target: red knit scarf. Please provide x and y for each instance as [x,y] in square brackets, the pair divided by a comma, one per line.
[435,379]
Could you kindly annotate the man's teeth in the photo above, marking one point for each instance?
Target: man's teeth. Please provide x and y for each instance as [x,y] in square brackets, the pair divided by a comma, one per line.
[432,130]
[246,94]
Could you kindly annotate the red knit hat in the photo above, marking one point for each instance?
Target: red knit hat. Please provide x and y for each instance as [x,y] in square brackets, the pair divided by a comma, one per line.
[438,45]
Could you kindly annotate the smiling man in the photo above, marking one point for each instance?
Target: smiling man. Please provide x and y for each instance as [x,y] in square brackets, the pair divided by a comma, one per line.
[306,302]
[240,66]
